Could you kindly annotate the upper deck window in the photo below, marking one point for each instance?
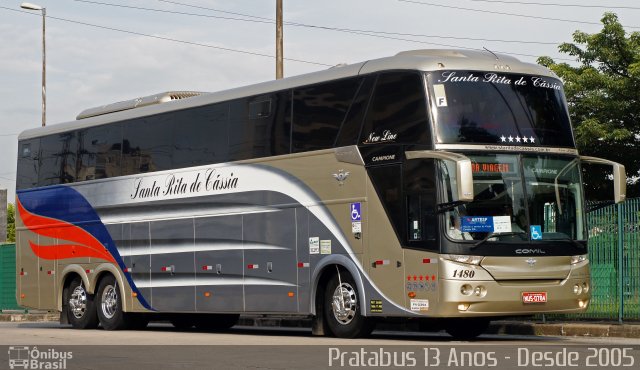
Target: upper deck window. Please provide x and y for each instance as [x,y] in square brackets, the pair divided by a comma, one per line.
[499,108]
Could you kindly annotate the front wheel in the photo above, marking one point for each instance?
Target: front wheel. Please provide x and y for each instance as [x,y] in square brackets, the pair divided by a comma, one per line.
[110,306]
[343,308]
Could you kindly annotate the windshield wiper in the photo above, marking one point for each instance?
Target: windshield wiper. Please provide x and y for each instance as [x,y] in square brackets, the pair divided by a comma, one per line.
[492,234]
[573,241]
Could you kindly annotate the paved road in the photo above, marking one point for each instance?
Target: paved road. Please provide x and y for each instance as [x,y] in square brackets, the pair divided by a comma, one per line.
[162,346]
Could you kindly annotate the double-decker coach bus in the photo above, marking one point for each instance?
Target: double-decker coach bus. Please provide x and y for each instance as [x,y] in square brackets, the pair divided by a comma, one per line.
[436,185]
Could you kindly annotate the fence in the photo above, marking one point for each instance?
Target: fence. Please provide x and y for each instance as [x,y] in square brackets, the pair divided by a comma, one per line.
[8,277]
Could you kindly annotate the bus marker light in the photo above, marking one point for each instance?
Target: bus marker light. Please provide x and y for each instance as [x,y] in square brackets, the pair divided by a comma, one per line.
[51,272]
[167,269]
[303,264]
[252,267]
[429,260]
[22,295]
[582,304]
[207,268]
[128,269]
[381,263]
[22,273]
[433,277]
[290,294]
[88,271]
[412,294]
[463,306]
[134,294]
[207,294]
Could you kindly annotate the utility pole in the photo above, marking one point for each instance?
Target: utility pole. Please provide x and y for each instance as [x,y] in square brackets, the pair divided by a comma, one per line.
[279,51]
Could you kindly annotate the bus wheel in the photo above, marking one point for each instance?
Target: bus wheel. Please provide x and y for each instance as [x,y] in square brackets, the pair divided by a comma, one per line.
[81,310]
[467,329]
[216,321]
[343,308]
[110,305]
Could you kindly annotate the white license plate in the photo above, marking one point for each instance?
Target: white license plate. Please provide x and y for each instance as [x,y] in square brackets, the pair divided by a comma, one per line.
[534,297]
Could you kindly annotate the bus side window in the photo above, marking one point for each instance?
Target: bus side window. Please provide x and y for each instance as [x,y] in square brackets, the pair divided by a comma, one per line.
[318,113]
[99,155]
[201,136]
[397,113]
[147,144]
[28,163]
[58,159]
[350,129]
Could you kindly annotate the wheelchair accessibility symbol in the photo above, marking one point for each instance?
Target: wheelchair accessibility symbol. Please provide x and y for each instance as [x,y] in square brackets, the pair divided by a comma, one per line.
[536,232]
[355,212]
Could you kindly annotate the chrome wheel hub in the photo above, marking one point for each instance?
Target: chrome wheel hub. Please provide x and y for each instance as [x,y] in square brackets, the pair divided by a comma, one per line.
[78,302]
[109,301]
[344,303]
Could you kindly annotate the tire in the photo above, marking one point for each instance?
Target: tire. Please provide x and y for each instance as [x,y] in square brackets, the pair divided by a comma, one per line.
[347,322]
[467,329]
[216,322]
[81,309]
[183,322]
[109,306]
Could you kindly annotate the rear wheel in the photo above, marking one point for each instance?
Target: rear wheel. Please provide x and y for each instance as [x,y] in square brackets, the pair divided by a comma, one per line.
[110,306]
[343,308]
[467,329]
[81,310]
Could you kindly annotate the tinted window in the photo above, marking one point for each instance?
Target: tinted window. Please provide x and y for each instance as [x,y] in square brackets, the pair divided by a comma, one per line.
[28,152]
[397,113]
[352,124]
[99,154]
[318,112]
[148,144]
[255,133]
[201,136]
[506,109]
[58,159]
[388,183]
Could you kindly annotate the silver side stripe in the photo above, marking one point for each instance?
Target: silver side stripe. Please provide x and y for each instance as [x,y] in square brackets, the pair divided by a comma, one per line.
[172,212]
[208,281]
[186,248]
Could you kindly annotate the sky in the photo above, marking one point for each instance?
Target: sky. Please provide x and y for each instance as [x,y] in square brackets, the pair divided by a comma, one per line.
[101,52]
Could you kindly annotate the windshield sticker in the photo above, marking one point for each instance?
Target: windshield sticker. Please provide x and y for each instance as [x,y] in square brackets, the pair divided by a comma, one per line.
[494,78]
[485,224]
[536,232]
[440,95]
[517,139]
[477,224]
[501,224]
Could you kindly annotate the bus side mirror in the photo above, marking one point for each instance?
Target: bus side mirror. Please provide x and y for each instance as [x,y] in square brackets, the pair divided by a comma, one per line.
[601,193]
[464,173]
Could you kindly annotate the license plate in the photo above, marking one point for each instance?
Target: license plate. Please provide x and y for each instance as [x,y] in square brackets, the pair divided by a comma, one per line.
[534,297]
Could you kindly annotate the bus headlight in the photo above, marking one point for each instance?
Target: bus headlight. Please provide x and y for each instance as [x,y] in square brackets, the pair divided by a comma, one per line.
[579,258]
[585,287]
[577,289]
[466,289]
[463,258]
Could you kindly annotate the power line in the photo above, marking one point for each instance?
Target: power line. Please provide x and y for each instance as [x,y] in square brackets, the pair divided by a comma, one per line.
[556,4]
[504,13]
[265,20]
[369,33]
[168,38]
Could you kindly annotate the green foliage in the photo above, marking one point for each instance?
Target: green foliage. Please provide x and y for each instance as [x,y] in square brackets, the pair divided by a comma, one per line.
[603,93]
[11,223]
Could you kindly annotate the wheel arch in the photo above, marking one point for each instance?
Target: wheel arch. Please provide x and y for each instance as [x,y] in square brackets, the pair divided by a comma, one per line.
[327,268]
[106,269]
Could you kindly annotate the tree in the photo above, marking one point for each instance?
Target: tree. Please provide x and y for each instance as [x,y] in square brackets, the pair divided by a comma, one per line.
[603,93]
[11,223]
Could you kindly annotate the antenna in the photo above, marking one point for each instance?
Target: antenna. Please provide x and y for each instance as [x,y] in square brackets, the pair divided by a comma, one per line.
[494,54]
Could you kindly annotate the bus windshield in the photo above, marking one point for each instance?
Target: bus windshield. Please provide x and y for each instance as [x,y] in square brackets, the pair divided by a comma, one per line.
[499,108]
[518,197]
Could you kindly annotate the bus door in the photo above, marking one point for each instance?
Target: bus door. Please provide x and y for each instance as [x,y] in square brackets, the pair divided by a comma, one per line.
[270,276]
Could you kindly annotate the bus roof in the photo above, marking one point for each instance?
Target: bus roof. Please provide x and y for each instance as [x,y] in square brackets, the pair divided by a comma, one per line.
[421,60]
